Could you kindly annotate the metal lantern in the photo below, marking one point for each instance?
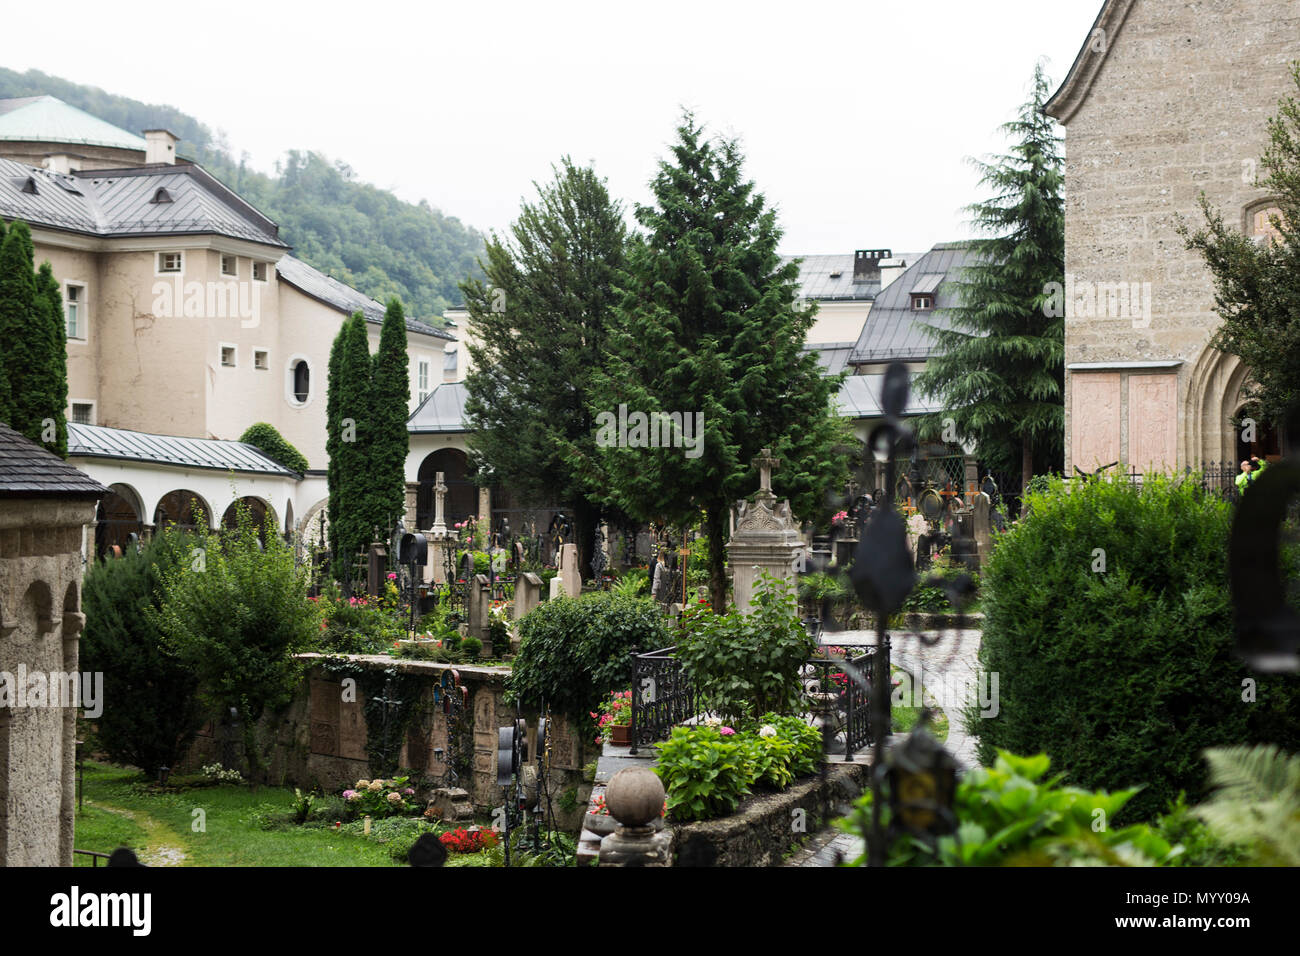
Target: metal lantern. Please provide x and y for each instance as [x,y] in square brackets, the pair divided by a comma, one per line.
[922,784]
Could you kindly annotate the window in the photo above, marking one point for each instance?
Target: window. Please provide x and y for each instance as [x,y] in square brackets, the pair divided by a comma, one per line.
[260,359]
[423,379]
[301,382]
[169,261]
[229,266]
[228,356]
[922,303]
[259,271]
[74,305]
[83,413]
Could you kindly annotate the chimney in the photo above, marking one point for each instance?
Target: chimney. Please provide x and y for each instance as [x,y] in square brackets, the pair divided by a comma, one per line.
[891,269]
[159,147]
[866,264]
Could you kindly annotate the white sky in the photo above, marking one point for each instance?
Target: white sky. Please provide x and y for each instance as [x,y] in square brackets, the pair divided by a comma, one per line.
[855,117]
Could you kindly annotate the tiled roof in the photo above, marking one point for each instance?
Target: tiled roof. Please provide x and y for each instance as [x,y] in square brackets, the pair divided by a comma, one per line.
[443,411]
[28,470]
[121,202]
[98,441]
[332,292]
[894,330]
[47,119]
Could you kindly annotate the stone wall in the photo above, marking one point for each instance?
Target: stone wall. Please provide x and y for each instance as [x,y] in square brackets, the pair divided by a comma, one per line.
[320,741]
[40,622]
[1170,98]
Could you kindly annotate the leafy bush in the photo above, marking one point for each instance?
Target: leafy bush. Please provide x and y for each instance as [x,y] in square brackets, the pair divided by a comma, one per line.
[1124,675]
[275,446]
[356,626]
[1008,815]
[380,798]
[575,651]
[771,757]
[151,707]
[1201,846]
[748,664]
[806,757]
[706,774]
[1256,803]
[470,648]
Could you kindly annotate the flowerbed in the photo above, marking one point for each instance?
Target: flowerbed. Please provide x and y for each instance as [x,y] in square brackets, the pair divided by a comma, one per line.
[380,798]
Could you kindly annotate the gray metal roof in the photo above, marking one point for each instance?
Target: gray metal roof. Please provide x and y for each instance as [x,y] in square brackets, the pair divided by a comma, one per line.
[99,441]
[833,355]
[442,412]
[894,330]
[28,470]
[830,278]
[330,291]
[120,202]
[47,119]
[859,397]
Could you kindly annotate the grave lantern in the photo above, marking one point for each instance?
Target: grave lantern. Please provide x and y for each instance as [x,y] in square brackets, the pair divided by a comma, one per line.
[922,784]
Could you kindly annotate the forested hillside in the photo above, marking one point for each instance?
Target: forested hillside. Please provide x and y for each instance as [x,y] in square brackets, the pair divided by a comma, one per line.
[360,234]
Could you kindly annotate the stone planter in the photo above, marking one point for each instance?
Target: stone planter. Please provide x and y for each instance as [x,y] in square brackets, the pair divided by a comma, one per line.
[601,824]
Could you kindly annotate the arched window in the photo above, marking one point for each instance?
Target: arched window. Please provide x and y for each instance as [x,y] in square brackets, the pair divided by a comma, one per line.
[301,381]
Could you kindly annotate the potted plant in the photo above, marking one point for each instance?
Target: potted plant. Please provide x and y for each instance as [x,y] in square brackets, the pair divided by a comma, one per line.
[614,719]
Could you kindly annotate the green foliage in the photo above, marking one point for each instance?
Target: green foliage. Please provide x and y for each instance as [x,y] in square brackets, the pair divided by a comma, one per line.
[267,439]
[356,626]
[1257,286]
[705,774]
[633,583]
[711,325]
[1000,367]
[234,612]
[380,798]
[356,232]
[808,752]
[574,651]
[50,323]
[1256,802]
[151,707]
[748,664]
[1124,675]
[471,647]
[389,440]
[1009,815]
[1180,826]
[539,323]
[351,431]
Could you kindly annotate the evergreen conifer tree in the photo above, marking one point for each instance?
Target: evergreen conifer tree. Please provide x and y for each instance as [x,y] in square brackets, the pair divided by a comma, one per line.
[390,441]
[22,352]
[52,380]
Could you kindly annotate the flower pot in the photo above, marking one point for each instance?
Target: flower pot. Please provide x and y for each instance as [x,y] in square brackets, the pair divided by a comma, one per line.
[601,824]
[621,735]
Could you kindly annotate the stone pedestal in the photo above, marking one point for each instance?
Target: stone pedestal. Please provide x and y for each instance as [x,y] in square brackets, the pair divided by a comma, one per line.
[981,526]
[528,594]
[569,576]
[635,798]
[766,538]
[452,804]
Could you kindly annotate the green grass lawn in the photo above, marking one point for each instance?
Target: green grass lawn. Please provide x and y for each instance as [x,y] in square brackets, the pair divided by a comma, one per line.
[122,809]
[905,718]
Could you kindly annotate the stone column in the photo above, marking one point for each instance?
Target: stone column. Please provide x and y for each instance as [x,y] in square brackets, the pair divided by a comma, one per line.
[635,798]
[412,503]
[485,503]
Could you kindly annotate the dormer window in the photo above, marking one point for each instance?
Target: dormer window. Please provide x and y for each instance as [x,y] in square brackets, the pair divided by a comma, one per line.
[922,303]
[161,195]
[29,187]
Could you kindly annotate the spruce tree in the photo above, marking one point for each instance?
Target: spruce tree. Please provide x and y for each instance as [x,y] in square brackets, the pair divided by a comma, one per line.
[710,326]
[539,327]
[1000,368]
[390,441]
[23,353]
[53,331]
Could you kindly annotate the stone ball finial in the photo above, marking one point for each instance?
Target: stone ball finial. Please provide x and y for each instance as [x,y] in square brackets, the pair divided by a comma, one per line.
[635,796]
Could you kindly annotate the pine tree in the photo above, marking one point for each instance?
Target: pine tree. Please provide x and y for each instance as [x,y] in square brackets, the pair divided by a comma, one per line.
[1257,285]
[390,442]
[352,519]
[22,354]
[54,358]
[1000,369]
[539,327]
[710,326]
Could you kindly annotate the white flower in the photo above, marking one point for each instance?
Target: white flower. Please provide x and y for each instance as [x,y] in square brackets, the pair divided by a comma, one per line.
[712,722]
[767,730]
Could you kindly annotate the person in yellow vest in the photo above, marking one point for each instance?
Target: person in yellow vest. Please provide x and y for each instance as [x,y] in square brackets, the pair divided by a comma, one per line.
[1250,470]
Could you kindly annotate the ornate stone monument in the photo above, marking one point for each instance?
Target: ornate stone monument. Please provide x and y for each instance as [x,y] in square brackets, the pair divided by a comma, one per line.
[438,535]
[766,538]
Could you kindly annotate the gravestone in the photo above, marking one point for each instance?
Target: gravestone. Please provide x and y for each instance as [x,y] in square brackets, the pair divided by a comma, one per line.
[766,539]
[528,594]
[440,540]
[556,588]
[981,526]
[480,603]
[569,576]
[377,571]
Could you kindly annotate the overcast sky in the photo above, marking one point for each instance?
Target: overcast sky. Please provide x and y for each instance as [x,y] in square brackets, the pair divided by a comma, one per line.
[855,117]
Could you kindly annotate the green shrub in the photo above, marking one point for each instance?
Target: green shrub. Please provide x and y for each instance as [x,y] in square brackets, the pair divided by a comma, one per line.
[151,707]
[808,753]
[771,758]
[706,774]
[356,626]
[748,664]
[574,651]
[1008,815]
[271,443]
[1201,846]
[1122,676]
[470,648]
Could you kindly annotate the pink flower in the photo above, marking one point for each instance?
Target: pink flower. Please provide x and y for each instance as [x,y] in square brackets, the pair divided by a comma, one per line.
[392,575]
[726,731]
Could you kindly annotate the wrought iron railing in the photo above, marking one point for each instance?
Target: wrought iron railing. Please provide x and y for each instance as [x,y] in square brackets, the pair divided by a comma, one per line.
[663,697]
[94,856]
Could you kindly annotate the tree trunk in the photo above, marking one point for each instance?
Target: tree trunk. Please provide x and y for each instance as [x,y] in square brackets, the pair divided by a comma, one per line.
[715,526]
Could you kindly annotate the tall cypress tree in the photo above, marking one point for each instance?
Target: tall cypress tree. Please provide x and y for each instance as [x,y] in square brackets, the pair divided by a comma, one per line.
[1000,369]
[710,326]
[6,408]
[23,355]
[53,330]
[540,325]
[333,439]
[356,428]
[390,441]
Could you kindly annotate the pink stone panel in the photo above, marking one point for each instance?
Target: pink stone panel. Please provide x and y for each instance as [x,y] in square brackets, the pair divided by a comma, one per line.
[1153,422]
[1094,419]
